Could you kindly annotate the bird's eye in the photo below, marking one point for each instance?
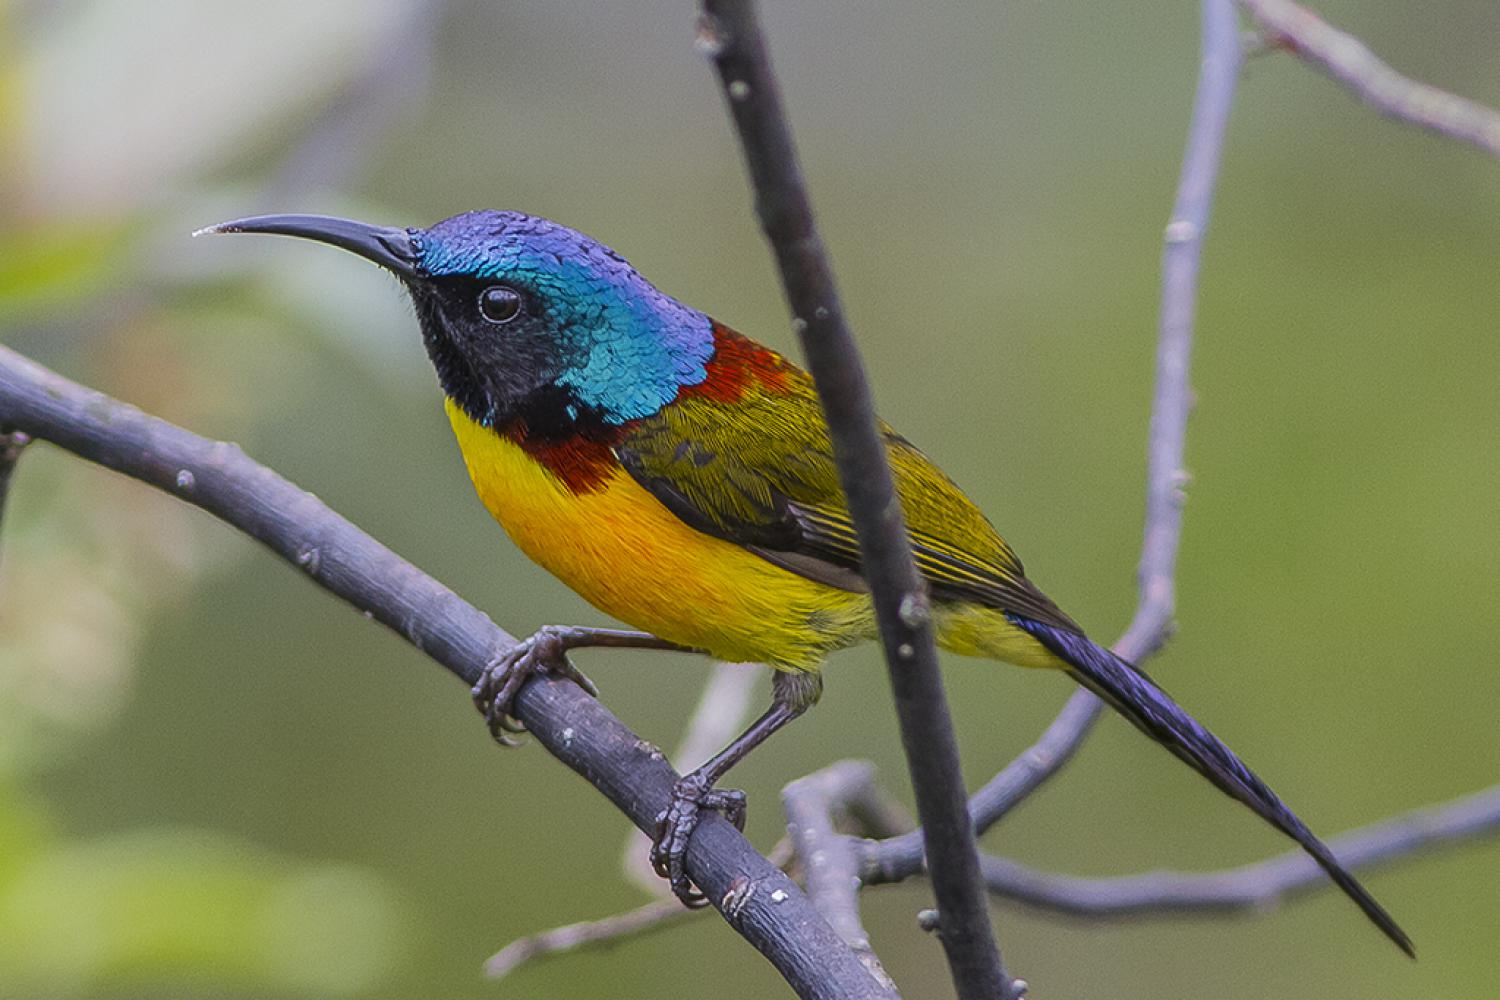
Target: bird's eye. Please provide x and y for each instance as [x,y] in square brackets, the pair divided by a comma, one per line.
[499,303]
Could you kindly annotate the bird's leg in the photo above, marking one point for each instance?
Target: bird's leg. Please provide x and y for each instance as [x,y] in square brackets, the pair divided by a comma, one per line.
[791,695]
[546,652]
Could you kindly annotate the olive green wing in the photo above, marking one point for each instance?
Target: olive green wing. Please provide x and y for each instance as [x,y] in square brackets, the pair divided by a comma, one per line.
[759,472]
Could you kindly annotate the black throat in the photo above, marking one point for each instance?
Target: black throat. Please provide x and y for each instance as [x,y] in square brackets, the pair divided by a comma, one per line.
[456,376]
[506,391]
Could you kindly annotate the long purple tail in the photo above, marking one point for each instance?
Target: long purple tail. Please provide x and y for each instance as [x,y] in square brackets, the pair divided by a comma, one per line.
[1135,696]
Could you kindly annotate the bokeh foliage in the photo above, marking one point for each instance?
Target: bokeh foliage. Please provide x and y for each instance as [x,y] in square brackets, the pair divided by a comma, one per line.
[216,781]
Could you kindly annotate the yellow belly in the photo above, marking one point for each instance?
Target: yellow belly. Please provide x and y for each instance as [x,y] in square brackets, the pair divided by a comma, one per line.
[631,558]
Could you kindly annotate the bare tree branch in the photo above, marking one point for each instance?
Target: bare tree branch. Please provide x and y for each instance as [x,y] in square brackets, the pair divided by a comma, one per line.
[1166,476]
[834,862]
[1256,888]
[650,916]
[844,865]
[730,33]
[1349,61]
[720,712]
[1251,888]
[829,858]
[901,856]
[612,929]
[756,898]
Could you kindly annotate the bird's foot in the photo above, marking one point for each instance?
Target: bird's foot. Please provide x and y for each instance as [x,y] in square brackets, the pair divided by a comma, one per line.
[544,652]
[676,823]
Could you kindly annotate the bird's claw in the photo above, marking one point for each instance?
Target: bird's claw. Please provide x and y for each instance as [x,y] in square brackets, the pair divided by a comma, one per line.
[676,823]
[544,652]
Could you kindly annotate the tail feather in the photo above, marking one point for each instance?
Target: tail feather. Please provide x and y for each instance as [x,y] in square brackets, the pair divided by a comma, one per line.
[1135,696]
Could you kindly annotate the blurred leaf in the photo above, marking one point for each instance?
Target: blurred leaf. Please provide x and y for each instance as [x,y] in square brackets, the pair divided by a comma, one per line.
[162,906]
[79,542]
[57,264]
[67,658]
[24,832]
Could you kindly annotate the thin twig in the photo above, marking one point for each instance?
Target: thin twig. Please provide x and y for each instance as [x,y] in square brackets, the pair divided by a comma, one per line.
[815,805]
[1254,888]
[1166,476]
[1349,61]
[901,856]
[1151,625]
[720,712]
[839,866]
[832,871]
[756,898]
[612,929]
[572,937]
[730,33]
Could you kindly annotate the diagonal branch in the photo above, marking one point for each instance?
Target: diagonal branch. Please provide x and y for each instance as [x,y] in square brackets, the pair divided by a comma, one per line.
[835,864]
[755,897]
[730,32]
[655,915]
[1349,61]
[1218,79]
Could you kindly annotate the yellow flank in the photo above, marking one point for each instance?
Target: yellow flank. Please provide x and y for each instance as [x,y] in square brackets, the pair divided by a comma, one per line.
[974,630]
[632,558]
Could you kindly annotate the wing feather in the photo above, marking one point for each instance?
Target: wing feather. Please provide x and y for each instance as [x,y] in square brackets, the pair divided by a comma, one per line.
[759,472]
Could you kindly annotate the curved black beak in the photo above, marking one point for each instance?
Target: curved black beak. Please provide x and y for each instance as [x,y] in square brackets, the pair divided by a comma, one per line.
[387,246]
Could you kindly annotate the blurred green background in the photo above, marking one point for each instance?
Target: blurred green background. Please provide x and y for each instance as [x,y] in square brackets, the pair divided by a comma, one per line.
[217,781]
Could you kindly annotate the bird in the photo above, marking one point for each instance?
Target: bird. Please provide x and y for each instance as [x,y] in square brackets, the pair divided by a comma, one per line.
[679,476]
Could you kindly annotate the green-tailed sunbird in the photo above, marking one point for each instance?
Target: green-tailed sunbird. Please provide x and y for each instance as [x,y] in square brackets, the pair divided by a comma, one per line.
[679,476]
